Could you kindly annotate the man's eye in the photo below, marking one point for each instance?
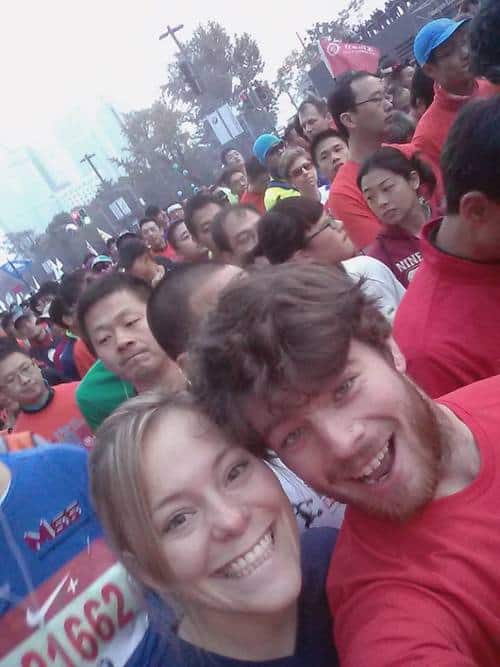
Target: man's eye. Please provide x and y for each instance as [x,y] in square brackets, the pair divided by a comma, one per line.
[103,340]
[293,438]
[342,390]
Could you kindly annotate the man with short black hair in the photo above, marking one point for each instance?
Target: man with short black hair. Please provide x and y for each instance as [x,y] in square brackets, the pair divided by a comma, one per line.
[200,211]
[232,157]
[299,230]
[329,152]
[158,215]
[442,49]
[448,322]
[234,231]
[362,113]
[51,412]
[308,370]
[314,117]
[137,259]
[113,324]
[258,180]
[152,234]
[179,238]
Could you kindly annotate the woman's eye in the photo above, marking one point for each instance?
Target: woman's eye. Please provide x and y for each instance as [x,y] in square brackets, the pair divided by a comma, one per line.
[342,390]
[237,470]
[176,522]
[292,438]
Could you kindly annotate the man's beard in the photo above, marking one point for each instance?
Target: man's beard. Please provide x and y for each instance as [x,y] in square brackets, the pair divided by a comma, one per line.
[427,447]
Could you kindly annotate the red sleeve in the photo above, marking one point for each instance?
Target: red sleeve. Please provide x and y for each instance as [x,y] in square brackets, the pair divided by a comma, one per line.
[433,375]
[359,222]
[83,358]
[390,625]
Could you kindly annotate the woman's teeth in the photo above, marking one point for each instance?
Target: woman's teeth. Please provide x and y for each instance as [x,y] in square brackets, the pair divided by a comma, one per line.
[249,562]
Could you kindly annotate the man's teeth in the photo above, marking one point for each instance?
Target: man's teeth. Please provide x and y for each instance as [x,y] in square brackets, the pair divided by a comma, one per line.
[253,559]
[375,463]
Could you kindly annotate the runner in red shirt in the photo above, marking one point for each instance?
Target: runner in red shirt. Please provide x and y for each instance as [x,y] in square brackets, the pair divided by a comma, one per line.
[447,324]
[152,234]
[442,49]
[308,370]
[258,179]
[48,411]
[362,113]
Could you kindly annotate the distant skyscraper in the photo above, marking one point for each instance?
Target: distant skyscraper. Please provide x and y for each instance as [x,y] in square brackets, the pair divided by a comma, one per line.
[38,181]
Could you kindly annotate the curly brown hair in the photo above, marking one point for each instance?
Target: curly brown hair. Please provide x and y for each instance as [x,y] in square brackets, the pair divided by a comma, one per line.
[285,328]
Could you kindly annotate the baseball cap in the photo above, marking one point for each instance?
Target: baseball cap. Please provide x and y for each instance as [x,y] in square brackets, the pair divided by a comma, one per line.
[263,145]
[101,259]
[432,35]
[174,207]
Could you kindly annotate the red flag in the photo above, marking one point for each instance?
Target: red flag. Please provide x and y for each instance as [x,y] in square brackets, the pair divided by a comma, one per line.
[341,57]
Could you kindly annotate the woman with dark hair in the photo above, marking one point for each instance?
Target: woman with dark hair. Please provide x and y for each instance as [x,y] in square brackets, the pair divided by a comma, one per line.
[392,185]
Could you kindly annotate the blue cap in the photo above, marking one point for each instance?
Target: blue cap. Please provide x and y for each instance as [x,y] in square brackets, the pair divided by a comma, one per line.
[263,145]
[432,35]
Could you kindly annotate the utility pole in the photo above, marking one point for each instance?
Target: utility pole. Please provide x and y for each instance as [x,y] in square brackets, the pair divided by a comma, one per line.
[88,158]
[171,33]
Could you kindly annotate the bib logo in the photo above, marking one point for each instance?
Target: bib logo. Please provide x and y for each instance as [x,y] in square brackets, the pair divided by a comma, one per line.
[49,530]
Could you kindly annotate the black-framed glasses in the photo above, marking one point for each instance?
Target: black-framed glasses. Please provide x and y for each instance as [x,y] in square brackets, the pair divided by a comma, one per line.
[330,223]
[377,99]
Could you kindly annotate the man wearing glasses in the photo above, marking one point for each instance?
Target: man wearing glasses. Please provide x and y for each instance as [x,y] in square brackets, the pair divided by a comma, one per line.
[442,49]
[299,229]
[362,113]
[51,412]
[268,150]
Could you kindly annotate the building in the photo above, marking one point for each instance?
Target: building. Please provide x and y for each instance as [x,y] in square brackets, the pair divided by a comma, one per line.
[38,181]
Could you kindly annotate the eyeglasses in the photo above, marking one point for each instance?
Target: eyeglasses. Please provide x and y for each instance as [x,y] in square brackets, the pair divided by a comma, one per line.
[331,223]
[377,99]
[303,169]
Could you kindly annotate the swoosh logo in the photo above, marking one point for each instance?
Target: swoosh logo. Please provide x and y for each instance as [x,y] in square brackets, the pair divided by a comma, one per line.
[36,618]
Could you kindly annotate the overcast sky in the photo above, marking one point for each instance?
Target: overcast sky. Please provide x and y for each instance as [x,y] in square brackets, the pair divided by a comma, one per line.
[58,53]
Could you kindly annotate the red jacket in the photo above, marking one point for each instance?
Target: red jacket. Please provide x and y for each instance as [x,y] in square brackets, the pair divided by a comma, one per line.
[448,321]
[433,127]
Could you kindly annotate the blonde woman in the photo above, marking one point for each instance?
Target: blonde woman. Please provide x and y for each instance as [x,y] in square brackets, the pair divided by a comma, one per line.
[206,526]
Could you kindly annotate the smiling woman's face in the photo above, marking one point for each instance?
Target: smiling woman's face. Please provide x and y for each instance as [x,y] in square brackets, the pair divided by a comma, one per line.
[226,530]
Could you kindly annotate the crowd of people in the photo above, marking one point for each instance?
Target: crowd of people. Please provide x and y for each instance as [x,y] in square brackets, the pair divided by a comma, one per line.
[261,428]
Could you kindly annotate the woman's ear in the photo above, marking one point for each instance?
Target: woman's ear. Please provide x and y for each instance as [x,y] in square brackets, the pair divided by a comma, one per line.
[414,180]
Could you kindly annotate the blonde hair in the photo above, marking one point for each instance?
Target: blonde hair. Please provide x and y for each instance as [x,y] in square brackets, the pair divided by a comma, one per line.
[289,157]
[118,487]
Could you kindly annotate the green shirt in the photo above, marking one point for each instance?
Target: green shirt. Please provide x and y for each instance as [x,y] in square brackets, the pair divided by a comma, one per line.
[99,393]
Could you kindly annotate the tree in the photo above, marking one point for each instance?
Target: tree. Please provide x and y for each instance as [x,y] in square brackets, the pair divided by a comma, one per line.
[226,69]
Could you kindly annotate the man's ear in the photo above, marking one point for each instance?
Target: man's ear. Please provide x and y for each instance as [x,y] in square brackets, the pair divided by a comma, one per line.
[348,120]
[397,355]
[302,255]
[182,361]
[475,208]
